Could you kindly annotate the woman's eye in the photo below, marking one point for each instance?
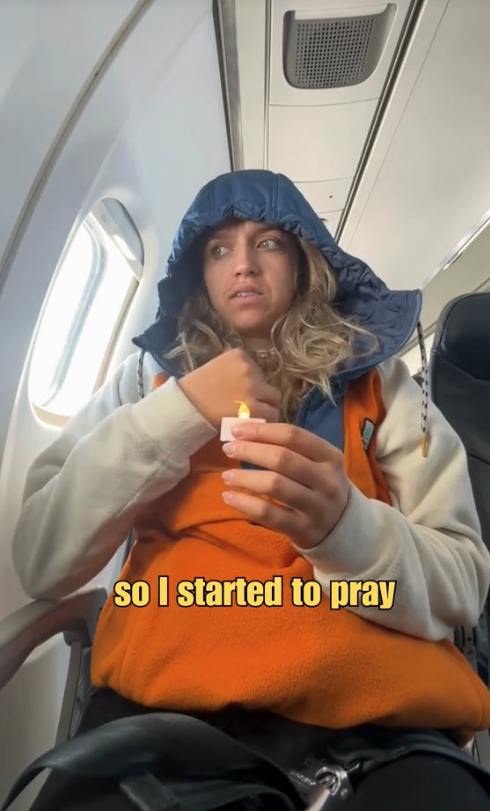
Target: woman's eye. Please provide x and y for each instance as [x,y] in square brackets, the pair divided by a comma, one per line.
[270,242]
[217,251]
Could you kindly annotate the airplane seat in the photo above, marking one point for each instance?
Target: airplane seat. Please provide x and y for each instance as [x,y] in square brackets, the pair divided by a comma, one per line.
[460,387]
[459,378]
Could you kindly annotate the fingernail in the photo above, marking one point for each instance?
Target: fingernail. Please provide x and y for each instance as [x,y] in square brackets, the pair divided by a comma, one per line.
[238,431]
[227,475]
[229,448]
[228,497]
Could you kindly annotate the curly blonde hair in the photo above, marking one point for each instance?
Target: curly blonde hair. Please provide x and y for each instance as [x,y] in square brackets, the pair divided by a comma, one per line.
[310,342]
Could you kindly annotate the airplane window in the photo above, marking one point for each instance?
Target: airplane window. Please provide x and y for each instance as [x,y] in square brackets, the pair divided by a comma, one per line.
[96,279]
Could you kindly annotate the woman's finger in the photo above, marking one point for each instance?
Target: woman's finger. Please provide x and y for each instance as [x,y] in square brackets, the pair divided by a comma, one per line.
[288,492]
[297,439]
[281,460]
[272,516]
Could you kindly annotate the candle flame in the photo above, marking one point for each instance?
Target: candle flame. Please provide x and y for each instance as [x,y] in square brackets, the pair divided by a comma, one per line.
[243,411]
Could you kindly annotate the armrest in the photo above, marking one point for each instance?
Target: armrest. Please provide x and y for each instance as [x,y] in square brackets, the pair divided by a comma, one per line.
[23,631]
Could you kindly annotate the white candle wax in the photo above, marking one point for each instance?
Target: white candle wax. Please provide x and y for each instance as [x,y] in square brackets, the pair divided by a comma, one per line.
[227,424]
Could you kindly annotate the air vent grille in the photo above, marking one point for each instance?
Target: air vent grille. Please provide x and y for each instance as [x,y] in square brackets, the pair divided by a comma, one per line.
[329,53]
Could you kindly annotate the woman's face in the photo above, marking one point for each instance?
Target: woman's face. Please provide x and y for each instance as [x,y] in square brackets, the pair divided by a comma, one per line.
[250,276]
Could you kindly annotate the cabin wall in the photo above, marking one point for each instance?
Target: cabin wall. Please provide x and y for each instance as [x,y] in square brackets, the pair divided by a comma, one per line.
[104,99]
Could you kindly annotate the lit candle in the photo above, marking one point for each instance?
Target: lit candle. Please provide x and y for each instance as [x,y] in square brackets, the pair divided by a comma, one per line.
[227,423]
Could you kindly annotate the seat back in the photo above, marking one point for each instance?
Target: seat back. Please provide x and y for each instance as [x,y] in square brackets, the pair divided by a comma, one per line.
[460,386]
[459,377]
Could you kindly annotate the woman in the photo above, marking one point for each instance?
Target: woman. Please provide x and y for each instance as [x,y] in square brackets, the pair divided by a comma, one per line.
[260,306]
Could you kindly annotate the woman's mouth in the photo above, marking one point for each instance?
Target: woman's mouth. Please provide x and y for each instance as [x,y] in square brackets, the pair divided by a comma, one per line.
[249,295]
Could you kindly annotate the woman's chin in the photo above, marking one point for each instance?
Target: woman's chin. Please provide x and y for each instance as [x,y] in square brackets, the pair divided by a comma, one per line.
[258,331]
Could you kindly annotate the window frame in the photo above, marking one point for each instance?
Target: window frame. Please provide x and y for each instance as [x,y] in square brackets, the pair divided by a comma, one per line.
[98,232]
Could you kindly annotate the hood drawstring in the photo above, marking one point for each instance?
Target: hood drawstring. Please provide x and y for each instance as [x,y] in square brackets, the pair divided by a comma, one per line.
[425,392]
[141,388]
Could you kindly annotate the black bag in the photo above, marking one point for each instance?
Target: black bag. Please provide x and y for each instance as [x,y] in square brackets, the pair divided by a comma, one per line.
[161,761]
[164,761]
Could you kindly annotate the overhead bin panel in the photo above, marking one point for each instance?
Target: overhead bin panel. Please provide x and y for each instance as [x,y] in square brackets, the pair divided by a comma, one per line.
[334,192]
[425,189]
[318,143]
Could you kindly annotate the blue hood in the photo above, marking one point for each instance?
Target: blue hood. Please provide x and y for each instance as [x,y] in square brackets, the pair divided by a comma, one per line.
[264,196]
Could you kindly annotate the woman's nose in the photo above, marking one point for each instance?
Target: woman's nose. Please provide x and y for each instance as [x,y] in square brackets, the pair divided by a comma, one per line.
[245,261]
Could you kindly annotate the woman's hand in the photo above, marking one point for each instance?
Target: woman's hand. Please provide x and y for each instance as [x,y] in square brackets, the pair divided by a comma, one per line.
[215,387]
[303,472]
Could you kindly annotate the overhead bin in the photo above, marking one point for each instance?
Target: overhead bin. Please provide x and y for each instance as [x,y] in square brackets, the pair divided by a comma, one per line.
[304,81]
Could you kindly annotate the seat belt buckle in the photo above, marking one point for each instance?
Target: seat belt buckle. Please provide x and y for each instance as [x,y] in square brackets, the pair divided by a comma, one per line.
[333,787]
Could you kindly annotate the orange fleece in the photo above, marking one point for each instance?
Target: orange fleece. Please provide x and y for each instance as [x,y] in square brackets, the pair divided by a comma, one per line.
[311,664]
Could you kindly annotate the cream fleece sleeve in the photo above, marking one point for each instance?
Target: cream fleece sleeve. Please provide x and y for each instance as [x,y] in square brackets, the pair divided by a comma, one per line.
[429,541]
[82,492]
